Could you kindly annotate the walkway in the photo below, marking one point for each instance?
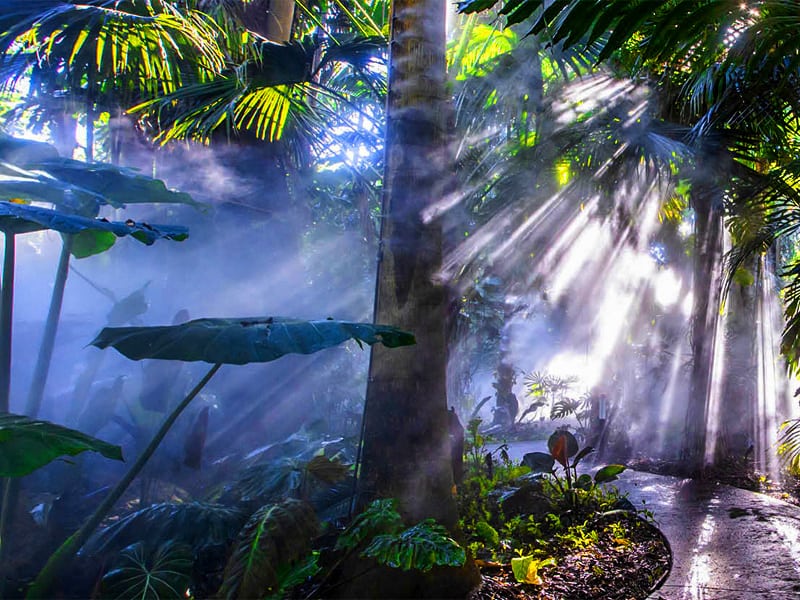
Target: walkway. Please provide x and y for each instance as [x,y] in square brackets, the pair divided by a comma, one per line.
[728,544]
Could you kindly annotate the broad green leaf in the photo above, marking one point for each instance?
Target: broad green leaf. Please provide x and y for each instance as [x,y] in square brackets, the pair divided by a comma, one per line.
[275,535]
[539,462]
[91,242]
[423,546]
[117,186]
[608,473]
[380,517]
[139,573]
[93,235]
[27,444]
[21,151]
[327,470]
[34,171]
[243,341]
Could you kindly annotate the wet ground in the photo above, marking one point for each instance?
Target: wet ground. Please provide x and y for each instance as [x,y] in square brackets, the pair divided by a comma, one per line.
[727,543]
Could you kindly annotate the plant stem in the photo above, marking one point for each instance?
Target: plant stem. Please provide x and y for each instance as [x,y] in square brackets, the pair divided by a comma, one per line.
[36,392]
[6,314]
[41,587]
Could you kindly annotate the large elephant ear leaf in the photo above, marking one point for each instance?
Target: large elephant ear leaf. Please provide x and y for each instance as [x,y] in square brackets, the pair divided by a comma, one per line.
[242,341]
[44,175]
[26,444]
[23,152]
[91,236]
[276,535]
[117,186]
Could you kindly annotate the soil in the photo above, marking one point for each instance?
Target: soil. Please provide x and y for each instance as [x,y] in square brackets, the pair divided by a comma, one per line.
[612,569]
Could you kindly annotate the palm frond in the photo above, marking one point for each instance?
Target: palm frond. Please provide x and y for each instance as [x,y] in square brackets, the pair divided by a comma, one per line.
[144,43]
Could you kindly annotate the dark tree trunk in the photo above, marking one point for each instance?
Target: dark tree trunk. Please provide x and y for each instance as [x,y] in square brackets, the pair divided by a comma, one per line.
[405,449]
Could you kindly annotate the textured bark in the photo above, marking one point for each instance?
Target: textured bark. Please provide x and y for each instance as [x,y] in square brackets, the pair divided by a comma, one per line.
[707,248]
[405,448]
[271,19]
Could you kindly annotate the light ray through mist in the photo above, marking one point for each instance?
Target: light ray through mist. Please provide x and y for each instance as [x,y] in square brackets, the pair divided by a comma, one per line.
[769,366]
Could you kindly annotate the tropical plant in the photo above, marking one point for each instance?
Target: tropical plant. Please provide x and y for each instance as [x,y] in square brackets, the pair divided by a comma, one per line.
[379,533]
[724,70]
[27,444]
[563,446]
[219,341]
[139,573]
[194,524]
[275,537]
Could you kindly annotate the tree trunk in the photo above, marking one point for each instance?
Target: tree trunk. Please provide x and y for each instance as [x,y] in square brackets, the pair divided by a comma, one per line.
[405,452]
[707,256]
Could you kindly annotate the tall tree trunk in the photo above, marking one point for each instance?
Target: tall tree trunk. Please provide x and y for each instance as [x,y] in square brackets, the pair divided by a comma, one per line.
[405,453]
[706,277]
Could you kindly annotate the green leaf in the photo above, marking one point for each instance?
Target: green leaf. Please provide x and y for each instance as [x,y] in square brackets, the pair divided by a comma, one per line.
[196,524]
[539,462]
[423,546]
[22,218]
[90,242]
[275,535]
[327,470]
[584,482]
[582,454]
[138,573]
[526,568]
[34,171]
[379,517]
[473,6]
[243,341]
[26,444]
[608,473]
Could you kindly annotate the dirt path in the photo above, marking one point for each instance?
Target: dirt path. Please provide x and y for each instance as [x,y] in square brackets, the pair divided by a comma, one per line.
[728,544]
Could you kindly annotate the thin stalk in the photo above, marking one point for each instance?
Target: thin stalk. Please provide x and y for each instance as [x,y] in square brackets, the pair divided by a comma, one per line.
[36,392]
[10,485]
[6,314]
[41,587]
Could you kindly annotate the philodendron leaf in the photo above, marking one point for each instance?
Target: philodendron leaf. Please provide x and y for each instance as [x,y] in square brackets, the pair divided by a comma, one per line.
[562,445]
[423,546]
[26,444]
[93,235]
[608,473]
[242,341]
[539,462]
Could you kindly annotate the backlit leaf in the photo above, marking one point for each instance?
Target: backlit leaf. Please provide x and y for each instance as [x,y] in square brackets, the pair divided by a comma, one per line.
[27,444]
